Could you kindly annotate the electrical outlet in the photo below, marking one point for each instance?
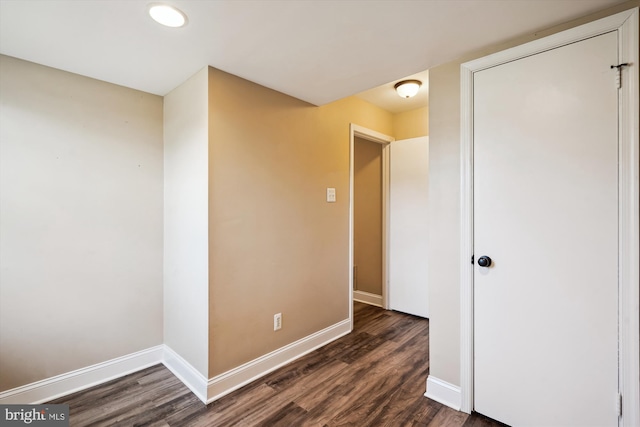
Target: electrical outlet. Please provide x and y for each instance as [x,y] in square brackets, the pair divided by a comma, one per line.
[331,195]
[277,321]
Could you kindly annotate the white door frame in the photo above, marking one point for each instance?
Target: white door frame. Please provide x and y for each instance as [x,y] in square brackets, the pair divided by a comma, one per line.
[385,141]
[626,24]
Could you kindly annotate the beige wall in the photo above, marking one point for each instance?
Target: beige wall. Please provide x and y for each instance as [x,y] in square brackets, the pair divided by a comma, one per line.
[80,220]
[367,215]
[276,245]
[186,221]
[411,124]
[444,194]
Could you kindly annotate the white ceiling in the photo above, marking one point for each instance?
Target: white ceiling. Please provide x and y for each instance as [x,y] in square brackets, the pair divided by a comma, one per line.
[385,95]
[318,50]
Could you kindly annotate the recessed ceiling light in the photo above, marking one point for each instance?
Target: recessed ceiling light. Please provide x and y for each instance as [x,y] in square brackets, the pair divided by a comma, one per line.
[408,88]
[167,15]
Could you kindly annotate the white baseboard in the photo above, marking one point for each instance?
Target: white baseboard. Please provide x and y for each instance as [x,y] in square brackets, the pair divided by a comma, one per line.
[229,381]
[367,298]
[186,373]
[206,390]
[80,379]
[444,392]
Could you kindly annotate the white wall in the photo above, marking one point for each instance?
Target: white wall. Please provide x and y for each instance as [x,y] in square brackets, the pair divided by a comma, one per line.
[444,223]
[186,221]
[80,222]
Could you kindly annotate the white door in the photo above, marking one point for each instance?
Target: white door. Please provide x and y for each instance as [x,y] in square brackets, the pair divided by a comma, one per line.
[545,212]
[409,185]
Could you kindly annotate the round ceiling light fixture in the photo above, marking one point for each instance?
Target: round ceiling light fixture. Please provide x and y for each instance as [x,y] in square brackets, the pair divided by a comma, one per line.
[408,88]
[167,15]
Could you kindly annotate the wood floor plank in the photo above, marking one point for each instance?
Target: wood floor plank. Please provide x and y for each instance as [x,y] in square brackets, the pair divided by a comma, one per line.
[283,378]
[290,415]
[373,411]
[245,409]
[447,417]
[374,376]
[479,420]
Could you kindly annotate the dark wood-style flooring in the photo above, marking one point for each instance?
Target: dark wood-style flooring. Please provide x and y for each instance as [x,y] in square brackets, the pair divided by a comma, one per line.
[374,376]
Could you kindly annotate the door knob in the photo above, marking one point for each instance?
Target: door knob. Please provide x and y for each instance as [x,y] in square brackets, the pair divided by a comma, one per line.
[484,261]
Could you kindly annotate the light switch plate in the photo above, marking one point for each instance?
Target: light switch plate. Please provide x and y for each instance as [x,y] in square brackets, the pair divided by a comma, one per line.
[331,195]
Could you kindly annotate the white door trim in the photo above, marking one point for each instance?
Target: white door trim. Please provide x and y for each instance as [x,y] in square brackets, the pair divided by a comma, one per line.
[385,140]
[626,24]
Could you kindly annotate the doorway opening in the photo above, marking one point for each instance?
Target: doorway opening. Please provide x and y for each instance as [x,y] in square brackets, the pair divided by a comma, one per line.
[368,216]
